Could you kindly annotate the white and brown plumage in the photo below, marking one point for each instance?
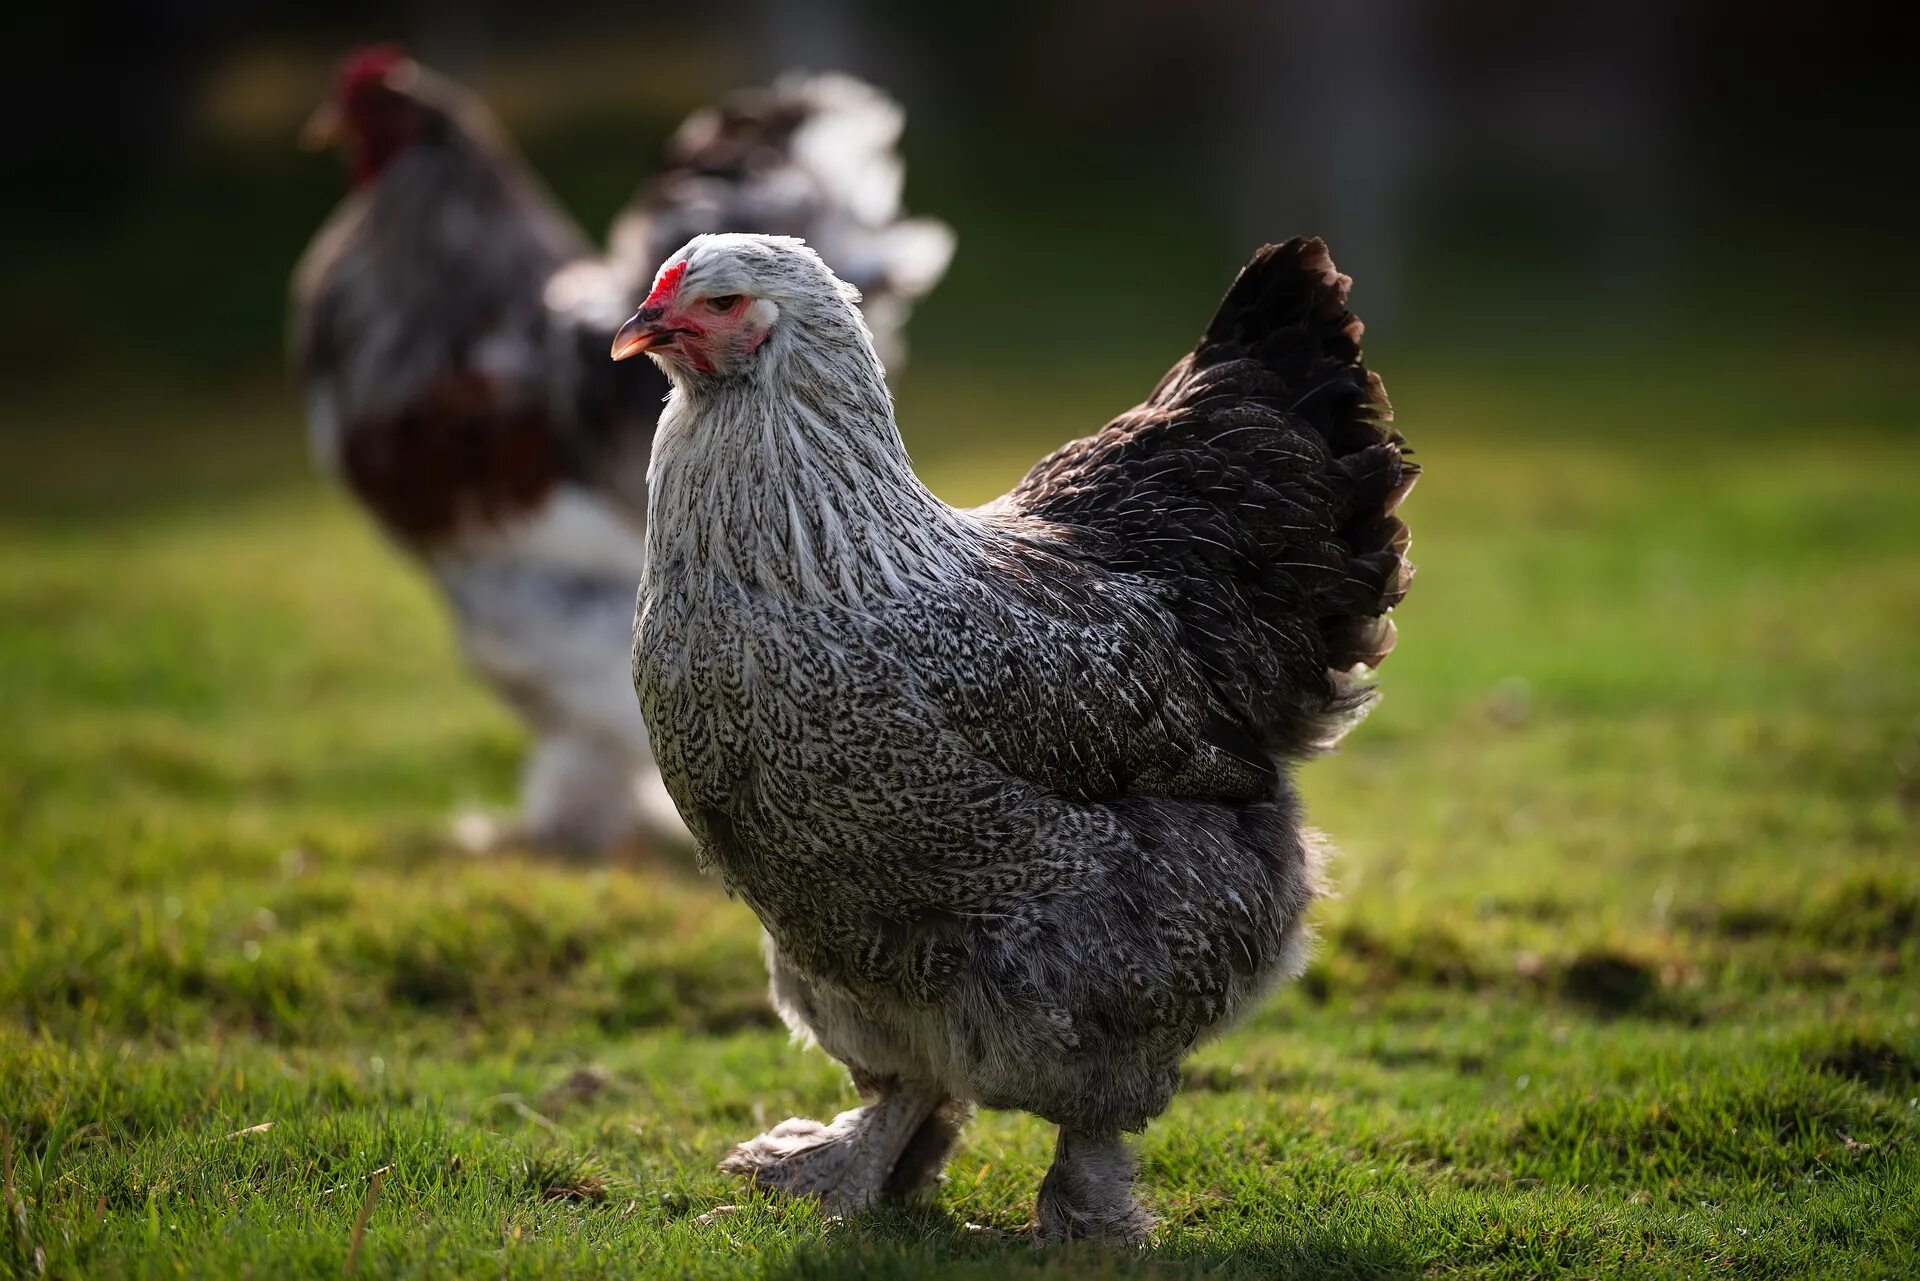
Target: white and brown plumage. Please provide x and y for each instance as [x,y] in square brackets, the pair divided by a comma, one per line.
[451,324]
[1007,787]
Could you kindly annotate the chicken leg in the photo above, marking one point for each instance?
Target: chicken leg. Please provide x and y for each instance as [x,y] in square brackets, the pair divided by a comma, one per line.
[1088,1192]
[851,1161]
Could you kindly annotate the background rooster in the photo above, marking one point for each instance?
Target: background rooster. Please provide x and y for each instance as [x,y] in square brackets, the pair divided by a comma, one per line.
[1007,787]
[452,326]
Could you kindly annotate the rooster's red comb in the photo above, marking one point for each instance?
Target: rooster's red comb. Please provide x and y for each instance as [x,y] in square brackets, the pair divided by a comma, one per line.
[368,66]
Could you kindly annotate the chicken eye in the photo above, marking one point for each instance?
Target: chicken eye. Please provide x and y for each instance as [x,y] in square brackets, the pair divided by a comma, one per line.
[723,302]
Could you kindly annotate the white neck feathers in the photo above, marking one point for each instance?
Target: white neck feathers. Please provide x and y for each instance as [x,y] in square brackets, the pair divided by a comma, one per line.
[793,480]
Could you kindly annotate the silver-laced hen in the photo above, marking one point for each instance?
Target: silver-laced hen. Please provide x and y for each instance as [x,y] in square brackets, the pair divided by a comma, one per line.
[1007,787]
[451,324]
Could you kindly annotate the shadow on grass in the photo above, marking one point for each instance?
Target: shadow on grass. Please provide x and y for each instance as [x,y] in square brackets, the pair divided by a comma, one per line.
[919,1242]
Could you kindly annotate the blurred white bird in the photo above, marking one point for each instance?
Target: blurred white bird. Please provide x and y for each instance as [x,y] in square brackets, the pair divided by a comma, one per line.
[452,324]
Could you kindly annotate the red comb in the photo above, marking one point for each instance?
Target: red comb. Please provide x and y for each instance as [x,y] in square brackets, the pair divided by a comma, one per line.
[664,288]
[367,66]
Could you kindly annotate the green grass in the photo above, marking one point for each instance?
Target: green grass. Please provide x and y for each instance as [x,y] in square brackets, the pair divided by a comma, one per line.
[1624,976]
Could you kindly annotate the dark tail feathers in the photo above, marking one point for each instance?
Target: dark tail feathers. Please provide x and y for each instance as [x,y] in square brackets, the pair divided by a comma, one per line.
[1288,310]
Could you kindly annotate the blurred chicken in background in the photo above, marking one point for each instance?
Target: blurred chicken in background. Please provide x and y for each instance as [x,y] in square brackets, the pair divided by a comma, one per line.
[452,324]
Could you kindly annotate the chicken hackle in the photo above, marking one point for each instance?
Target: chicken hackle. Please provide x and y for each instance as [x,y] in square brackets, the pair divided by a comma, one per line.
[451,325]
[1007,787]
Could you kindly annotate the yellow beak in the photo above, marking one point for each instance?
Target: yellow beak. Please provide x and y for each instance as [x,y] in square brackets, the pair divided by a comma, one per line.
[641,334]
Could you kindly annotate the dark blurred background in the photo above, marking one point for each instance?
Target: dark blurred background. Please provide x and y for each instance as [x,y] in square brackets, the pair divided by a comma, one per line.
[1715,180]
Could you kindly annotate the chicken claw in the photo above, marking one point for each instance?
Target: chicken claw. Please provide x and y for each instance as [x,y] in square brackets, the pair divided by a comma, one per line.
[848,1162]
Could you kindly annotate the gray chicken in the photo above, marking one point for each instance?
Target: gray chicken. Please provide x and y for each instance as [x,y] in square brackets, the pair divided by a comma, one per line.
[451,324]
[1009,787]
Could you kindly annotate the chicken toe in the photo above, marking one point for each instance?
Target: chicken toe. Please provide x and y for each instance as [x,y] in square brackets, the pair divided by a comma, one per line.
[848,1162]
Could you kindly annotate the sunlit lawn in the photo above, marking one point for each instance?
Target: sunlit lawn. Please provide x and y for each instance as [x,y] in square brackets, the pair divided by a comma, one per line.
[1625,974]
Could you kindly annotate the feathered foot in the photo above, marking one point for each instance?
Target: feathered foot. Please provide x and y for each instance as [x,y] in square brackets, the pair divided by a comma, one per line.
[487,834]
[582,800]
[921,1164]
[579,797]
[851,1161]
[484,833]
[1088,1194]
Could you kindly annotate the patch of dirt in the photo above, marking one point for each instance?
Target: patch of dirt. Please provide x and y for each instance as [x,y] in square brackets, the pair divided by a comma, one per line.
[1875,1063]
[1609,982]
[1866,909]
[562,1176]
[1427,958]
[1417,1056]
[1738,921]
[582,1085]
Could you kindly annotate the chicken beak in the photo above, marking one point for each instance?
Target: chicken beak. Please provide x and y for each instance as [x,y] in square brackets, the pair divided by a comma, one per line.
[324,129]
[641,334]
